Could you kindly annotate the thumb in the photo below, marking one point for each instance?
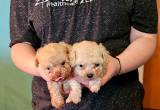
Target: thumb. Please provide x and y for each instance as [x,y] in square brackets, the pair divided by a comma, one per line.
[107,76]
[105,79]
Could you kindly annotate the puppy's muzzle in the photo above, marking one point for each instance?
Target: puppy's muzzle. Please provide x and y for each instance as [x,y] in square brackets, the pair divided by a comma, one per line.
[90,75]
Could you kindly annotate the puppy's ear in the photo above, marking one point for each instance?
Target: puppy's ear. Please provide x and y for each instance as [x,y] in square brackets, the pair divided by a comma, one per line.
[68,47]
[36,62]
[105,53]
[72,57]
[36,57]
[65,44]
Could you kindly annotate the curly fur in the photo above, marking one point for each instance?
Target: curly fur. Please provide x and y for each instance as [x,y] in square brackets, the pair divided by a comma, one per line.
[53,60]
[89,61]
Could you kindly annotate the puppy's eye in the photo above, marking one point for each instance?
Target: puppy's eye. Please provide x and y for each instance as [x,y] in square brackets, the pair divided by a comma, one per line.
[97,64]
[48,68]
[63,63]
[80,65]
[67,52]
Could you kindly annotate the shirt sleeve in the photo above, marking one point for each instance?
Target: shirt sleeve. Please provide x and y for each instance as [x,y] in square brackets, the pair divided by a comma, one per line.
[145,16]
[21,28]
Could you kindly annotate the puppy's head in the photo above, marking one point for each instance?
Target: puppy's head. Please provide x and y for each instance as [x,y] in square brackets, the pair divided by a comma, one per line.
[89,59]
[53,59]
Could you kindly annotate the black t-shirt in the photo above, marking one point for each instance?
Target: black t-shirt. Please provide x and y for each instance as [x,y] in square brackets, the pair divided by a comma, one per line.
[107,21]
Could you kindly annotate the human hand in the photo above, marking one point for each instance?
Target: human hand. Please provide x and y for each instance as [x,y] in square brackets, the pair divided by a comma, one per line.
[112,69]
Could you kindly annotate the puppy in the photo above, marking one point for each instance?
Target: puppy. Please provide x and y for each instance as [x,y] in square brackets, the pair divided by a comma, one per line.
[89,61]
[53,60]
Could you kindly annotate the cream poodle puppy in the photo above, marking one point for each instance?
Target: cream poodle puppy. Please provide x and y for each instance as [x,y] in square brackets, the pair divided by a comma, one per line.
[89,61]
[53,60]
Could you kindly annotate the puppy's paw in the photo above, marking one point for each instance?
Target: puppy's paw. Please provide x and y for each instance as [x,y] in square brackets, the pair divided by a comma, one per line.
[94,89]
[95,85]
[76,99]
[57,103]
[73,97]
[69,99]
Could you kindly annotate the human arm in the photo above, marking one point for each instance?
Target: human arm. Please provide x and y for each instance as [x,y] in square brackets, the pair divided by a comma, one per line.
[140,50]
[24,40]
[23,56]
[143,21]
[136,54]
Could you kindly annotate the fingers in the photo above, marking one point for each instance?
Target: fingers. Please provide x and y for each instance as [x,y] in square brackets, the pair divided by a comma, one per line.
[112,68]
[105,78]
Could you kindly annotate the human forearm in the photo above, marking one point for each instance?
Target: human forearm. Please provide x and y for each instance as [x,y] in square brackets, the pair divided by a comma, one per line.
[23,56]
[138,52]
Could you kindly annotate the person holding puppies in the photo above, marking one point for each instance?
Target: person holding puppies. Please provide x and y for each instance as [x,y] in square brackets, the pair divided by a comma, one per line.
[126,28]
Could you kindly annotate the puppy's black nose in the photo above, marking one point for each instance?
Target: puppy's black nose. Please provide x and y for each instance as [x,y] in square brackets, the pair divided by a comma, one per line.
[90,75]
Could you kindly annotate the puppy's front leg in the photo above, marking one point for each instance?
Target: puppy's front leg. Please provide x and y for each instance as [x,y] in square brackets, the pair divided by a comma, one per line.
[94,85]
[75,93]
[56,97]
